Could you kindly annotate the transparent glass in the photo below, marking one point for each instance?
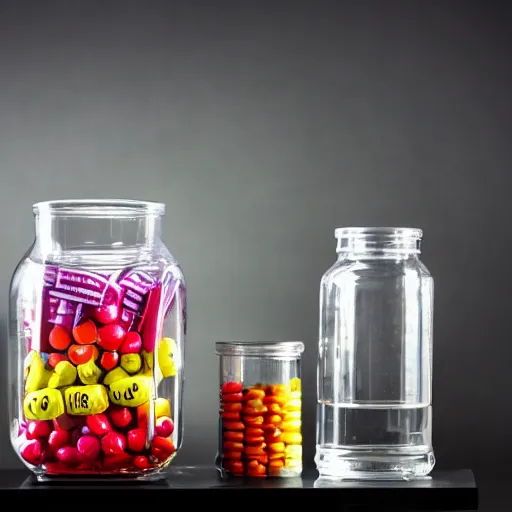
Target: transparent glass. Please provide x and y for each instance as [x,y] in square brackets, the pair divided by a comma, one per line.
[260,423]
[96,350]
[374,411]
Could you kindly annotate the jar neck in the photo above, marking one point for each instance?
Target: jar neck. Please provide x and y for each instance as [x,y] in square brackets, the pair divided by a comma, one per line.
[378,243]
[97,226]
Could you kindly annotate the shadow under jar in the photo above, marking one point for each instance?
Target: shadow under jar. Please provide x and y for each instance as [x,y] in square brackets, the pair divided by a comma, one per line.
[97,330]
[374,412]
[260,423]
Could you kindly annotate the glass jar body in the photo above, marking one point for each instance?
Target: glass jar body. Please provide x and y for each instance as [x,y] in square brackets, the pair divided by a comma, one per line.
[374,411]
[260,421]
[97,331]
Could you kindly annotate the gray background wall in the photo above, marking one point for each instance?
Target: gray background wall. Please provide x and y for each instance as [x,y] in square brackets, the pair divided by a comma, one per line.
[263,126]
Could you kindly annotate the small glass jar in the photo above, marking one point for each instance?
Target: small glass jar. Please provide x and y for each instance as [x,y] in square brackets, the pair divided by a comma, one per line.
[374,413]
[97,330]
[260,423]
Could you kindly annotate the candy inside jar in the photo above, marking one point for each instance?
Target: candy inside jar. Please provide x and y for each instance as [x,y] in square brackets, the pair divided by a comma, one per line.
[260,409]
[99,368]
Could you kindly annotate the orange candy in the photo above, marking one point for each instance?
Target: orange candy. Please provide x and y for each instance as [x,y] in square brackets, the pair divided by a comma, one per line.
[231,416]
[234,436]
[232,407]
[59,338]
[275,419]
[254,431]
[232,397]
[232,455]
[237,468]
[254,468]
[233,425]
[254,439]
[233,446]
[254,420]
[81,354]
[85,333]
[255,394]
[255,450]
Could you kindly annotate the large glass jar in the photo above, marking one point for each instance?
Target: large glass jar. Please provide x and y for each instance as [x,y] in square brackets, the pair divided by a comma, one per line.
[374,414]
[260,411]
[97,329]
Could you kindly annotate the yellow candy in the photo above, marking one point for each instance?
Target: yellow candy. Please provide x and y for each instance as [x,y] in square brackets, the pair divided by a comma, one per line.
[130,392]
[88,372]
[295,384]
[131,363]
[64,374]
[292,405]
[291,437]
[293,451]
[36,375]
[296,394]
[162,407]
[43,404]
[293,415]
[84,400]
[293,463]
[114,375]
[166,350]
[290,426]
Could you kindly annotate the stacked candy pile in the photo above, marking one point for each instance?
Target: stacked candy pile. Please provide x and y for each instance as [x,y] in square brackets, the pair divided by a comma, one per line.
[89,385]
[261,429]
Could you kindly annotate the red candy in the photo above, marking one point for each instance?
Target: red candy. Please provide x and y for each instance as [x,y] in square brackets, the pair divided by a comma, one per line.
[137,439]
[113,444]
[67,422]
[232,397]
[162,447]
[123,460]
[89,447]
[38,429]
[55,359]
[120,416]
[232,387]
[98,424]
[164,426]
[58,439]
[109,360]
[132,344]
[141,462]
[106,314]
[69,455]
[81,354]
[33,452]
[59,338]
[111,336]
[85,333]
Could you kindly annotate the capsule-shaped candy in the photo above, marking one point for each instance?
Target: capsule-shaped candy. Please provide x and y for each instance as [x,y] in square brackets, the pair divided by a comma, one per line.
[85,400]
[63,375]
[36,375]
[254,420]
[293,415]
[293,451]
[295,384]
[89,373]
[255,394]
[291,438]
[232,407]
[130,392]
[43,404]
[231,416]
[276,448]
[292,405]
[232,455]
[291,426]
[167,349]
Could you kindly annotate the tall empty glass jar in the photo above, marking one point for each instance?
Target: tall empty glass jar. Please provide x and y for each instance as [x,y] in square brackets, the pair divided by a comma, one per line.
[97,328]
[260,422]
[374,414]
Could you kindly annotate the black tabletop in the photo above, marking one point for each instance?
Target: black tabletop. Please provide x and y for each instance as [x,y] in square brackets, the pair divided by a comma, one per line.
[445,490]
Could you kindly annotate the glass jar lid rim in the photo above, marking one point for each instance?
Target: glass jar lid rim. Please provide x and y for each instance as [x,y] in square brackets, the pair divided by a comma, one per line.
[260,348]
[361,232]
[100,207]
